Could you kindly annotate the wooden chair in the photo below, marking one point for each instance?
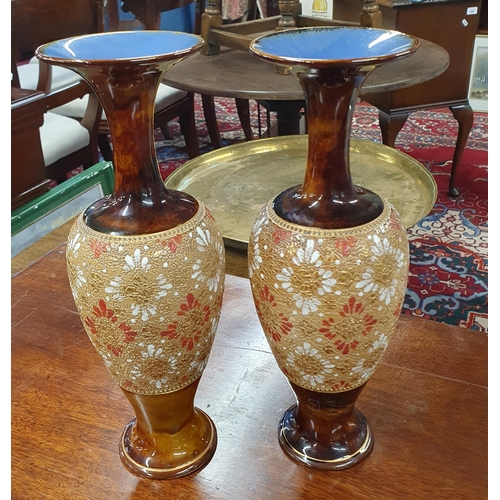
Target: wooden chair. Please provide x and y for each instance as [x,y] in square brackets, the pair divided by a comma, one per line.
[239,36]
[92,16]
[148,12]
[58,143]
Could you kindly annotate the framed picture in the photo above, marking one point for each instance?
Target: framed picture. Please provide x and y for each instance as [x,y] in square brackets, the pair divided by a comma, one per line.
[317,8]
[478,83]
[37,218]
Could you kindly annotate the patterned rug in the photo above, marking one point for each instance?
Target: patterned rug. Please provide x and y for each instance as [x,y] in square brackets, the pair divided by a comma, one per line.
[449,248]
[448,278]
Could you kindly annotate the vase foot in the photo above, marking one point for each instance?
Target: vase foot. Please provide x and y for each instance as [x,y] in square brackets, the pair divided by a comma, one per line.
[169,456]
[341,452]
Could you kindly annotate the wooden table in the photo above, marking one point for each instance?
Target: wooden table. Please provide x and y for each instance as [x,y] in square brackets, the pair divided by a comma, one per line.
[457,35]
[28,173]
[427,403]
[239,74]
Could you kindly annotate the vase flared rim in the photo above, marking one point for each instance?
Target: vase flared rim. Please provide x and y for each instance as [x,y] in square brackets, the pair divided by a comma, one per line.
[117,47]
[333,46]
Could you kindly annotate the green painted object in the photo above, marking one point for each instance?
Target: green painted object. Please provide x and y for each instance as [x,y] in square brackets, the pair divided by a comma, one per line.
[54,208]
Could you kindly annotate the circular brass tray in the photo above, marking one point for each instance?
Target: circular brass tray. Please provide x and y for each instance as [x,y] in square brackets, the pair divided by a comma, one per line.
[236,181]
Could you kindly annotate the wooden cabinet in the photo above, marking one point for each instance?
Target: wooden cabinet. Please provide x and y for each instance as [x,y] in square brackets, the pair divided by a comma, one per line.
[28,175]
[452,24]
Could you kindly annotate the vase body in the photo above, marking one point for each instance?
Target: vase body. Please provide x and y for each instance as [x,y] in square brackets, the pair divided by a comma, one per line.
[328,260]
[145,264]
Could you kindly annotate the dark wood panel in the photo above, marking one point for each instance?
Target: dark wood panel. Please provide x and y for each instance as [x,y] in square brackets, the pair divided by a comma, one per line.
[28,173]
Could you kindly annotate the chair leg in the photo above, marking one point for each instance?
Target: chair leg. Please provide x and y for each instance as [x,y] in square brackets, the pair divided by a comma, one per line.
[243,107]
[165,131]
[105,147]
[211,120]
[187,123]
[390,125]
[465,117]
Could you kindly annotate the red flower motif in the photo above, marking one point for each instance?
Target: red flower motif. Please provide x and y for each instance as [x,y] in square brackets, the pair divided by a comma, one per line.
[98,247]
[192,305]
[341,386]
[174,242]
[394,222]
[326,331]
[351,308]
[129,334]
[116,350]
[100,311]
[345,245]
[130,385]
[280,235]
[171,331]
[284,327]
[189,342]
[267,296]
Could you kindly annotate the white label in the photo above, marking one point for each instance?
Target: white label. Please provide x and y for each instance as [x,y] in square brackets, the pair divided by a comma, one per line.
[471,11]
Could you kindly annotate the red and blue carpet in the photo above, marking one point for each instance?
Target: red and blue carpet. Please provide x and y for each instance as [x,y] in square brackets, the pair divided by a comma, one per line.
[449,248]
[448,279]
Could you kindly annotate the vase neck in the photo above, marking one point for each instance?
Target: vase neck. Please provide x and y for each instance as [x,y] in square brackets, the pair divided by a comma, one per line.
[128,99]
[331,97]
[140,200]
[328,198]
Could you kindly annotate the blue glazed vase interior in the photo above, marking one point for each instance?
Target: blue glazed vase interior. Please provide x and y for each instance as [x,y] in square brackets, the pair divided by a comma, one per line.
[126,45]
[334,45]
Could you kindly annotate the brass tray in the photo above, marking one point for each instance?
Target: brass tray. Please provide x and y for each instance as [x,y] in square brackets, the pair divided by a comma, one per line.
[236,181]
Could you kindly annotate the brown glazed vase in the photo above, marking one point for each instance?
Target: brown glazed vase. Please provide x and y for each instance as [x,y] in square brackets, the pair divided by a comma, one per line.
[328,260]
[145,264]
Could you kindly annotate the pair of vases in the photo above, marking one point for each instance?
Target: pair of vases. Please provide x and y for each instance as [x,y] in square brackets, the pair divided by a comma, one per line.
[327,260]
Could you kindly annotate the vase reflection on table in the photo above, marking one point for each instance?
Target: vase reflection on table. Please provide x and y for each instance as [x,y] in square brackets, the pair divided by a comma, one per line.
[328,260]
[145,264]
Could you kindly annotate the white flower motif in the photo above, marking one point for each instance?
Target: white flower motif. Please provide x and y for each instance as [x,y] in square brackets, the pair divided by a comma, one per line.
[198,363]
[74,243]
[136,262]
[364,372]
[368,281]
[153,353]
[80,278]
[163,286]
[114,289]
[145,310]
[326,281]
[368,284]
[383,247]
[307,304]
[307,255]
[203,239]
[256,261]
[211,281]
[285,278]
[381,343]
[317,359]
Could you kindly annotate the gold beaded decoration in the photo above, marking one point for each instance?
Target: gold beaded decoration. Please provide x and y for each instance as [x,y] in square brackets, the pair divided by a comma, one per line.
[328,300]
[150,304]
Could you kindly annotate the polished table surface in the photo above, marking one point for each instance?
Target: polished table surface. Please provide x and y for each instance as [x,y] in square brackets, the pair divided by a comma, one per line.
[427,403]
[240,74]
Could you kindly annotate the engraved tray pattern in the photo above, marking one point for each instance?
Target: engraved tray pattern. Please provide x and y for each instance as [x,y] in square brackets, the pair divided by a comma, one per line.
[235,182]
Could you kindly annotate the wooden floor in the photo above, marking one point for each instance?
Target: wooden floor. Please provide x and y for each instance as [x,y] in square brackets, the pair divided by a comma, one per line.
[236,260]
